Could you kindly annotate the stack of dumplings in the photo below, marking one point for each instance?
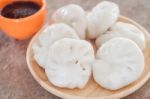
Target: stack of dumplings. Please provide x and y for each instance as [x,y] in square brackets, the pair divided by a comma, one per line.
[64,49]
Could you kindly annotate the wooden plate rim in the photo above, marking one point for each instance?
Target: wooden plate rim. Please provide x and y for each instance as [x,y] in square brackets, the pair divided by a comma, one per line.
[67,96]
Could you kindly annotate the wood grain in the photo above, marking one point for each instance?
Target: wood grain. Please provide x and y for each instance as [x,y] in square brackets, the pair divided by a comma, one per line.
[92,90]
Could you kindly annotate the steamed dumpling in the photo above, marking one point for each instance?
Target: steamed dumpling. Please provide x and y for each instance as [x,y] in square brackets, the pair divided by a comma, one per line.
[55,32]
[51,34]
[74,16]
[119,62]
[106,37]
[121,29]
[102,17]
[69,63]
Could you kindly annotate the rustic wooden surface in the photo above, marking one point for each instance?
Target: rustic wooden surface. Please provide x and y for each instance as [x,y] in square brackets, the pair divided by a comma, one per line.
[16,82]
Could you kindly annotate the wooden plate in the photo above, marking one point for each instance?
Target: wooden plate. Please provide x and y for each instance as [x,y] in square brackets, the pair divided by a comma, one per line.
[92,90]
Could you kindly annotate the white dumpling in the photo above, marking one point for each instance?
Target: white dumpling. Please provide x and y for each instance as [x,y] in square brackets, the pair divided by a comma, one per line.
[102,17]
[121,29]
[69,63]
[74,16]
[51,34]
[106,37]
[119,62]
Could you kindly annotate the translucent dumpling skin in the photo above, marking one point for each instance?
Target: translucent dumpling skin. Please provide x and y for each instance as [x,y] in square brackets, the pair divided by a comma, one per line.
[119,63]
[74,16]
[102,17]
[69,63]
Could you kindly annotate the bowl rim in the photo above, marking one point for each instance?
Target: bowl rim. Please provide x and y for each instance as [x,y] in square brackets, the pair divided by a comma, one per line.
[67,96]
[42,8]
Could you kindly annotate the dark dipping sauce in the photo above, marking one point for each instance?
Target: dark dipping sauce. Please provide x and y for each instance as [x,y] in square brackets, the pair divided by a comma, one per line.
[20,9]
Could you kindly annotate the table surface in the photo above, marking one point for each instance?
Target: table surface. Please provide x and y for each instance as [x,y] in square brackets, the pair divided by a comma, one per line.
[16,82]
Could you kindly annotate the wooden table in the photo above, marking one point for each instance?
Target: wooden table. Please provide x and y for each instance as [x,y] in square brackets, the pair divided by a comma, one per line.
[16,82]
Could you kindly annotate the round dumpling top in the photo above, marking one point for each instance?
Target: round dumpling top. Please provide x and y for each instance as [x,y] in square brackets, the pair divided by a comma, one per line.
[51,34]
[74,16]
[102,17]
[119,62]
[121,29]
[69,63]
[106,37]
[55,32]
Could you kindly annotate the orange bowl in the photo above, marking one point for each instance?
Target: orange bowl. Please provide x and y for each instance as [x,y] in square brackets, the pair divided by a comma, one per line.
[23,28]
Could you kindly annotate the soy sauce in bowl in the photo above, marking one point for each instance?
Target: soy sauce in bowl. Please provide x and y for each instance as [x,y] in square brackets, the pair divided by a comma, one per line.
[20,9]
